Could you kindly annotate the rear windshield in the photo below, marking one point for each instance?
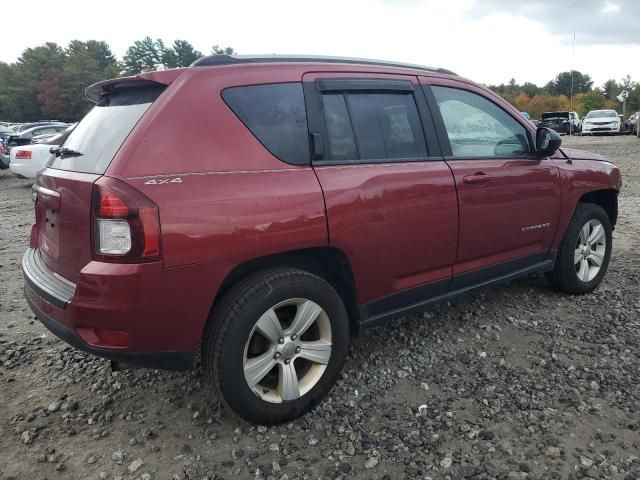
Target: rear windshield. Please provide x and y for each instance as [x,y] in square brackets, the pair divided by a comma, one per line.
[548,115]
[103,130]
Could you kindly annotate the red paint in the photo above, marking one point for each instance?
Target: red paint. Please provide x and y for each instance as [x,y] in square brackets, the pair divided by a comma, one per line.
[400,225]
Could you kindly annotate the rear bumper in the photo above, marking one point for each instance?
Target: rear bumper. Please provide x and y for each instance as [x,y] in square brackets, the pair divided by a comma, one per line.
[180,361]
[24,170]
[163,324]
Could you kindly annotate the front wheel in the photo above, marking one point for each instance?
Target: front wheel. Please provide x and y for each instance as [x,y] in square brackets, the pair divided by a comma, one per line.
[585,251]
[275,344]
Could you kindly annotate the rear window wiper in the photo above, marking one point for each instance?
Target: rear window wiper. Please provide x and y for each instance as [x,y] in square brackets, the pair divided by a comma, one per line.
[65,152]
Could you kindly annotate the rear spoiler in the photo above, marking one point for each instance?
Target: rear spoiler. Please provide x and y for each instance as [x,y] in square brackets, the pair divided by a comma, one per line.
[98,90]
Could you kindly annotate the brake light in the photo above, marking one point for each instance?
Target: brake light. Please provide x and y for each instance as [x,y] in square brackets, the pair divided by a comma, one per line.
[1,148]
[112,207]
[126,225]
[23,155]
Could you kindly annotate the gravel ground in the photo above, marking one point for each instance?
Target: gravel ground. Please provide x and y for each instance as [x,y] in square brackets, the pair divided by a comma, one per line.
[516,382]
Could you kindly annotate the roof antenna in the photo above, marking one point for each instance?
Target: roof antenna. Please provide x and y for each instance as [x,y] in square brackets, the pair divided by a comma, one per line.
[573,56]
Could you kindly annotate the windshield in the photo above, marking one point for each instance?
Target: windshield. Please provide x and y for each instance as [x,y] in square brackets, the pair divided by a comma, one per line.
[602,113]
[101,133]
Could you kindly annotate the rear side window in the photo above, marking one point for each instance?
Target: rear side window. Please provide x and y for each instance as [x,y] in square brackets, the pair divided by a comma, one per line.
[342,143]
[373,126]
[276,115]
[103,130]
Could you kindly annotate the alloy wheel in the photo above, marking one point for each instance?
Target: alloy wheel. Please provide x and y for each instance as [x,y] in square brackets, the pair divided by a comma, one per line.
[288,350]
[590,250]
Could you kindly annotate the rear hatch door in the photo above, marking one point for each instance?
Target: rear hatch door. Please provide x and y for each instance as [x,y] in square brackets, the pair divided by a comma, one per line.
[63,191]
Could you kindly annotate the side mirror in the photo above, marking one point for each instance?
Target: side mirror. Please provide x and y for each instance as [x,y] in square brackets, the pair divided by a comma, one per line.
[547,142]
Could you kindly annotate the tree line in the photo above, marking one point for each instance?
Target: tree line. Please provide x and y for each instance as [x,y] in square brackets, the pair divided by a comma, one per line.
[48,81]
[560,95]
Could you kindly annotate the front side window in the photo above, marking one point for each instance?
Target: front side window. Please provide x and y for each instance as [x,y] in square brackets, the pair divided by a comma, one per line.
[276,115]
[477,127]
[373,126]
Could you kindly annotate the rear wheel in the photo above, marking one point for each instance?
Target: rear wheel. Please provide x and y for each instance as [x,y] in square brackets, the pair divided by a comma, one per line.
[275,344]
[585,251]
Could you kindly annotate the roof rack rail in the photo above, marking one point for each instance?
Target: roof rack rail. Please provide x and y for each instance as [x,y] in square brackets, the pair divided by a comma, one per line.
[224,59]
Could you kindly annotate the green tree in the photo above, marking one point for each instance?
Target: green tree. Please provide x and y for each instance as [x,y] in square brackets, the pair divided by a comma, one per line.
[50,81]
[86,63]
[217,50]
[43,63]
[611,89]
[592,101]
[143,56]
[531,89]
[9,108]
[561,84]
[185,53]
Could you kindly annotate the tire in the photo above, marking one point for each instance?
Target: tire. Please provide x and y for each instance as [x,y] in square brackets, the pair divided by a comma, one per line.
[576,272]
[234,342]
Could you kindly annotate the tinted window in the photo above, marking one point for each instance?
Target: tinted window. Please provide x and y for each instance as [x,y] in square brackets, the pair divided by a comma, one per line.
[342,143]
[479,128]
[383,125]
[276,115]
[102,131]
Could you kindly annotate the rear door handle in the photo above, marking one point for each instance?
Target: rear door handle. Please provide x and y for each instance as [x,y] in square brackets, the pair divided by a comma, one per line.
[479,177]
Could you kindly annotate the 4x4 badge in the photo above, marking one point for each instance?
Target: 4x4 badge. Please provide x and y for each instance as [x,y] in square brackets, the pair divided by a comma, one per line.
[164,180]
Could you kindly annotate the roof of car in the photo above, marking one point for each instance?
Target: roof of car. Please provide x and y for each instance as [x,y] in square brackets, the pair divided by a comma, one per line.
[223,59]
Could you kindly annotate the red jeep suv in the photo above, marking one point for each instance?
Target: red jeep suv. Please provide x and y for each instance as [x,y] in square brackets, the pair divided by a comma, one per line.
[260,210]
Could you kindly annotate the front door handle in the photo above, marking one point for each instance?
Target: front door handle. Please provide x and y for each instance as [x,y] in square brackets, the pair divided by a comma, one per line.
[479,177]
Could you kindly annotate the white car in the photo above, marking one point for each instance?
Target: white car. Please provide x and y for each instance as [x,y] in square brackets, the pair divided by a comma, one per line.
[601,121]
[26,160]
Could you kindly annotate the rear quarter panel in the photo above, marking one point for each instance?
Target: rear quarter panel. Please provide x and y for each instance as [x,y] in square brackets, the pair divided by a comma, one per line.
[222,194]
[223,197]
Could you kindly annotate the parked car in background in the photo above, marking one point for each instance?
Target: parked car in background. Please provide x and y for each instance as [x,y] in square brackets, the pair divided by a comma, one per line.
[25,137]
[601,121]
[315,197]
[630,125]
[11,125]
[27,160]
[561,122]
[49,135]
[26,126]
[5,132]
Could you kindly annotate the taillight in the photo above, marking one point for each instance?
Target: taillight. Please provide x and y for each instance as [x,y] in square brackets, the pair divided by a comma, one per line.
[126,225]
[1,148]
[23,155]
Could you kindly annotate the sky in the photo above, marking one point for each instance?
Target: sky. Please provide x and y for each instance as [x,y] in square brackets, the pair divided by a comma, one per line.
[489,41]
